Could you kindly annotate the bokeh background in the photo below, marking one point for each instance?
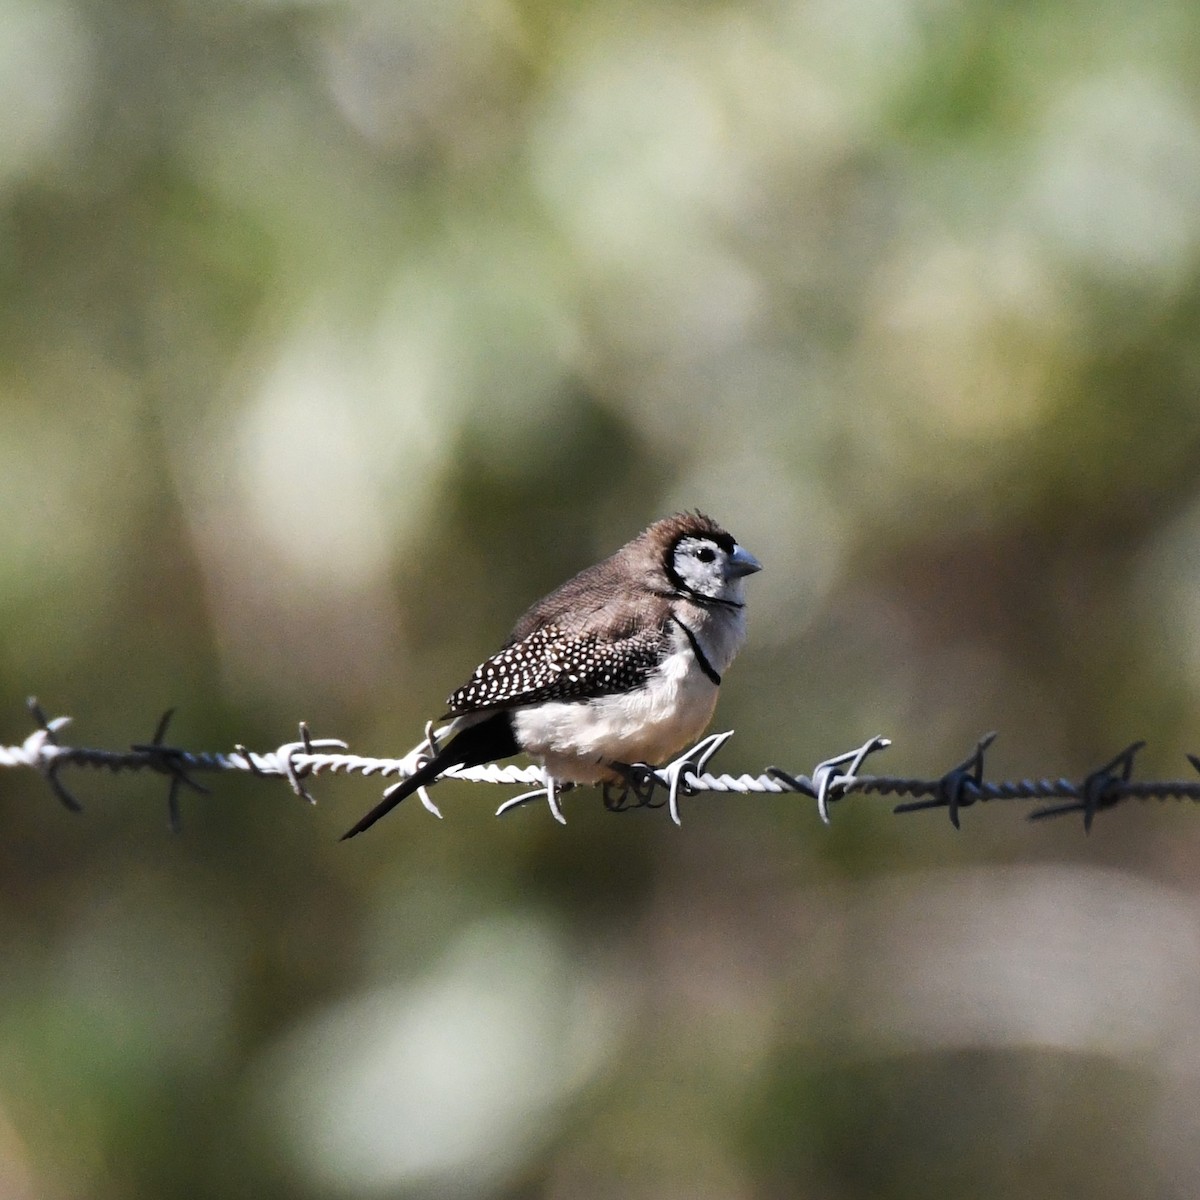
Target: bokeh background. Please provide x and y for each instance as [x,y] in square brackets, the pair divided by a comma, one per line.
[334,333]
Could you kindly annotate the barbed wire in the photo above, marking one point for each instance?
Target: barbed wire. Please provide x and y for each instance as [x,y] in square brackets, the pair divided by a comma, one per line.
[832,780]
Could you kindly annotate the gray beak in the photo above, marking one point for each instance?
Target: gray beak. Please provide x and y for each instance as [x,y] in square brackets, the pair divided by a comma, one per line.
[742,562]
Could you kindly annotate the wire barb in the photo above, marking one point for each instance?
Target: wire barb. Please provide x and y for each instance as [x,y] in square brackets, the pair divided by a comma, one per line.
[551,789]
[47,735]
[169,761]
[959,788]
[1100,790]
[291,754]
[832,784]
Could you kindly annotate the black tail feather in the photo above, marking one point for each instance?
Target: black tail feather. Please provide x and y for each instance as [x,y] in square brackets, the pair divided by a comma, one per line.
[491,739]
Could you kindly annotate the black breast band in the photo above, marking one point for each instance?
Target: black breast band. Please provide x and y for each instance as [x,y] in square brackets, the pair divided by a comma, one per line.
[701,658]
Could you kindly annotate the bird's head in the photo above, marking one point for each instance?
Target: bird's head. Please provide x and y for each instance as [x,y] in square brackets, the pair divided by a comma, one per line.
[701,560]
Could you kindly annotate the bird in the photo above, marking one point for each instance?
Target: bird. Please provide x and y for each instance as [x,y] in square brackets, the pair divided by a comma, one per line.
[620,665]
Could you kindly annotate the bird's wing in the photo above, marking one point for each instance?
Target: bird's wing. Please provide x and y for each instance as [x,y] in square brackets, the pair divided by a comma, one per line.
[552,663]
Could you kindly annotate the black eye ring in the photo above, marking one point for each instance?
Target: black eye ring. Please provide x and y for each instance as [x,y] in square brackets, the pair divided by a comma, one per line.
[705,554]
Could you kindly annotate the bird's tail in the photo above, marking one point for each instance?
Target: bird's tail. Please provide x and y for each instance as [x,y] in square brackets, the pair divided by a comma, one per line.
[484,742]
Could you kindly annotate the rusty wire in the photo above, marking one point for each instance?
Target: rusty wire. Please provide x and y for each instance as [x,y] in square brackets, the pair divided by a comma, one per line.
[831,781]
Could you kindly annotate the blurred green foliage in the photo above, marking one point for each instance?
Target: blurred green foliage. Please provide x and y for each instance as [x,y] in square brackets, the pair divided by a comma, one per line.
[333,334]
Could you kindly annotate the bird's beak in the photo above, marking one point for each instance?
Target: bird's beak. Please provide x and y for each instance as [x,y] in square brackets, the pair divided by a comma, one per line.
[742,562]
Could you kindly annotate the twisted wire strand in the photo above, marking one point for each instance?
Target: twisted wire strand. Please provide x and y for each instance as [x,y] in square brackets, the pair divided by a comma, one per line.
[831,781]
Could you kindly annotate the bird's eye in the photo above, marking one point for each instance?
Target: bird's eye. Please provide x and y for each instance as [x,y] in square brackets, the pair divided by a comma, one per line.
[706,554]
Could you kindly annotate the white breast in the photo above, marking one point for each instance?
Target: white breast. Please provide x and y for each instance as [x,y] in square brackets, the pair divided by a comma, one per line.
[650,724]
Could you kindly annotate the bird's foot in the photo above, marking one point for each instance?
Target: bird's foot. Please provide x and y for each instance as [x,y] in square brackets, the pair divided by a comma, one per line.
[636,780]
[641,781]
